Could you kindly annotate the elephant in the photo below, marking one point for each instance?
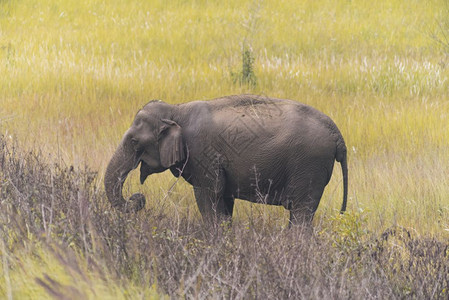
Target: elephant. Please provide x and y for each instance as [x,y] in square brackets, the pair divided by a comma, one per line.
[255,148]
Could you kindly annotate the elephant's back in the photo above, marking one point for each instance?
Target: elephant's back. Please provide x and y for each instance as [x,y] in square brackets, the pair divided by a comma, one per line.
[270,110]
[256,123]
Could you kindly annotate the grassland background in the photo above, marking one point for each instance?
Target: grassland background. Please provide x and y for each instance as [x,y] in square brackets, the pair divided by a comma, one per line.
[74,73]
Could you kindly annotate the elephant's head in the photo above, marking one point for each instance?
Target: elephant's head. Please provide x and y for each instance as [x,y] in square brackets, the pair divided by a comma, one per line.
[155,141]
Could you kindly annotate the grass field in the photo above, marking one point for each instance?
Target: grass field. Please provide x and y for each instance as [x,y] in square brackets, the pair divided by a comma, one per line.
[74,73]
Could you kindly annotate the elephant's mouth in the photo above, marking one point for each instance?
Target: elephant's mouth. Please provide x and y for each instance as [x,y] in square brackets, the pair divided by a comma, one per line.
[143,175]
[146,170]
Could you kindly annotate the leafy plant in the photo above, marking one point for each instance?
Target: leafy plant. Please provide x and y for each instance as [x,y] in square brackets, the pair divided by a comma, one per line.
[246,74]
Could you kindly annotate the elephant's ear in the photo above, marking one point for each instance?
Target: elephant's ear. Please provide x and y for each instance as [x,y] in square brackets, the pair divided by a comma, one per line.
[171,145]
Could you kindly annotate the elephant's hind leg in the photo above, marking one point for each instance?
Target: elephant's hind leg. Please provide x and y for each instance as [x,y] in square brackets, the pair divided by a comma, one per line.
[305,199]
[302,215]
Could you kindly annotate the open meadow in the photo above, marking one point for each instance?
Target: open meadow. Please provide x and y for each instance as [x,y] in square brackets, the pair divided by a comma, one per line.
[74,74]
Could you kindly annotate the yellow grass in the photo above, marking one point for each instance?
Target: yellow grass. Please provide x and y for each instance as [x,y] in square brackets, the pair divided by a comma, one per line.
[74,73]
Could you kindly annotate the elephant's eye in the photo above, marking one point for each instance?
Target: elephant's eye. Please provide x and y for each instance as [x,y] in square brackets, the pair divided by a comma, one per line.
[134,141]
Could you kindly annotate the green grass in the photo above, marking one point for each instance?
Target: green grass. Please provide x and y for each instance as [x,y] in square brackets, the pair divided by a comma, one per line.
[74,73]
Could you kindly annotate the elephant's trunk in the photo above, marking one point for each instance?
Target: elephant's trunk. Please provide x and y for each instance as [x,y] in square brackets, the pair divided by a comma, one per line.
[117,170]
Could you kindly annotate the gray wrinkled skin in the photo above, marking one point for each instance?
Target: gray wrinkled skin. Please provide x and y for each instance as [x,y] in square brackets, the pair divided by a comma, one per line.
[263,150]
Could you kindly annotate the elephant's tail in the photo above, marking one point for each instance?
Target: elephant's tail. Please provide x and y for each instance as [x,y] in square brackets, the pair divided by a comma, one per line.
[341,157]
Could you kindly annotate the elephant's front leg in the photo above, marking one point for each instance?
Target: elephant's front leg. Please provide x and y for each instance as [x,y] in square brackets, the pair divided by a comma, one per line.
[212,203]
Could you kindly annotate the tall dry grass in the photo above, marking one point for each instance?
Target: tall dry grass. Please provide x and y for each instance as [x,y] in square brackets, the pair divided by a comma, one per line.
[60,238]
